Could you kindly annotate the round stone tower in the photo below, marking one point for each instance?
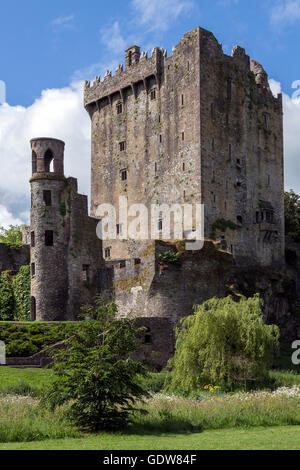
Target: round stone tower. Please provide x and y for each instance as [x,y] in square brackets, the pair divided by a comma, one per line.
[49,272]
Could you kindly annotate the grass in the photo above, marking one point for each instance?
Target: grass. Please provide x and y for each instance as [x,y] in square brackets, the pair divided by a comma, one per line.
[255,420]
[258,438]
[24,381]
[22,419]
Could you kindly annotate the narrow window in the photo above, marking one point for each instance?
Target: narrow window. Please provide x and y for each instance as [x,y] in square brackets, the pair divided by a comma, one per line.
[160,138]
[266,120]
[148,339]
[34,162]
[269,180]
[119,229]
[182,136]
[262,216]
[257,220]
[213,144]
[184,194]
[239,219]
[119,108]
[212,110]
[122,146]
[33,309]
[130,58]
[153,94]
[183,167]
[124,174]
[32,269]
[32,239]
[85,272]
[137,261]
[49,237]
[214,198]
[155,168]
[188,65]
[160,224]
[48,159]
[159,118]
[229,89]
[123,264]
[107,252]
[182,100]
[47,198]
[238,161]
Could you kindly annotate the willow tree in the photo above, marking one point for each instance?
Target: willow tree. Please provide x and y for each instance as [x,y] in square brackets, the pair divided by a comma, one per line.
[224,343]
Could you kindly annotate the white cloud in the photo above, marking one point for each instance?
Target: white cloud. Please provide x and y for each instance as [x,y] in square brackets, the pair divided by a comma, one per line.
[7,219]
[291,128]
[113,39]
[285,11]
[57,113]
[63,23]
[160,14]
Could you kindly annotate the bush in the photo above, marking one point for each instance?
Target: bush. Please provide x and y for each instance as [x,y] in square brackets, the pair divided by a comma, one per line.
[26,340]
[224,343]
[21,288]
[6,297]
[96,377]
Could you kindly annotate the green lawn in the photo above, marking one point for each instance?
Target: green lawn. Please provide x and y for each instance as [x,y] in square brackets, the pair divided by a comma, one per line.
[12,378]
[277,438]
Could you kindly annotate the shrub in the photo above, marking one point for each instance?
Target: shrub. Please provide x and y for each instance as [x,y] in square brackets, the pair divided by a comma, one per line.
[6,297]
[21,287]
[96,377]
[224,343]
[169,257]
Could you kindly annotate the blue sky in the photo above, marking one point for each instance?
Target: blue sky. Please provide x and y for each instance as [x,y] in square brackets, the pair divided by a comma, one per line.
[47,48]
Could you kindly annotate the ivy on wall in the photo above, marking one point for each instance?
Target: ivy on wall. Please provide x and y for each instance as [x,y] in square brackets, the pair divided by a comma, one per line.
[15,295]
[21,290]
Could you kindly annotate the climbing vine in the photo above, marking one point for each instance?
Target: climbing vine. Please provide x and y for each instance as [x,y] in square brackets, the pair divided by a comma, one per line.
[21,290]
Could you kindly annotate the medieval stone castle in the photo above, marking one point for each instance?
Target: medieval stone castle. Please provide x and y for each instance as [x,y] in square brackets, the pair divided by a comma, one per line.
[197,126]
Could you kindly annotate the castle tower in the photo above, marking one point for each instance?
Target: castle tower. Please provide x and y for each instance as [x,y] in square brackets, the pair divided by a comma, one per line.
[49,273]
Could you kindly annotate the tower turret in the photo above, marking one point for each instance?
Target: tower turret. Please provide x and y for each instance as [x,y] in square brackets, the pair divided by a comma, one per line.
[49,273]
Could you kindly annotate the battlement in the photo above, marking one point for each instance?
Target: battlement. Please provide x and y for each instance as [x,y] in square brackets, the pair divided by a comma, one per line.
[141,68]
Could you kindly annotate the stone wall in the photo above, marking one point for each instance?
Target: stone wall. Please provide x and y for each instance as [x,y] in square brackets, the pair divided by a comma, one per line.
[11,259]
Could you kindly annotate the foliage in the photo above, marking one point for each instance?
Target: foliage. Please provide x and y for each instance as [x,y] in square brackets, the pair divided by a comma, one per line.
[6,297]
[11,236]
[169,257]
[96,377]
[103,307]
[26,340]
[224,343]
[21,287]
[292,215]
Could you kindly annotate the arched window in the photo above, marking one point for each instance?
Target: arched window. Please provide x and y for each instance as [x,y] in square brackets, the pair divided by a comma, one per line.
[33,309]
[48,160]
[34,162]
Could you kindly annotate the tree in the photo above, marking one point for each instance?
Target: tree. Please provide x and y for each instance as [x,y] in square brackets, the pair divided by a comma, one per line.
[292,215]
[21,288]
[95,375]
[11,236]
[224,343]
